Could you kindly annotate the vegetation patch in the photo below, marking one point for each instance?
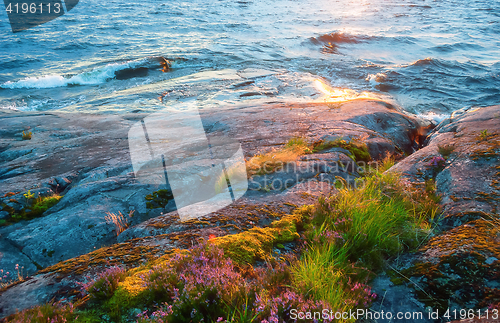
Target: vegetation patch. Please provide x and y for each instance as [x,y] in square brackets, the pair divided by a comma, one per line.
[34,208]
[27,135]
[127,253]
[344,240]
[49,312]
[256,244]
[105,284]
[159,199]
[358,150]
[446,150]
[351,234]
[272,161]
[269,162]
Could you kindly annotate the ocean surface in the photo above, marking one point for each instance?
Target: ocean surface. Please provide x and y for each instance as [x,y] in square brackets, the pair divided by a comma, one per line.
[430,57]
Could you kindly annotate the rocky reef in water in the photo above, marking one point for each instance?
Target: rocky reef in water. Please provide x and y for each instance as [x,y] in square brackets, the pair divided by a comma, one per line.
[63,175]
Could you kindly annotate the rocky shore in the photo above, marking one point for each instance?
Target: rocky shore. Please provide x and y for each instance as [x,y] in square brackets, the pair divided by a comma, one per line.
[83,161]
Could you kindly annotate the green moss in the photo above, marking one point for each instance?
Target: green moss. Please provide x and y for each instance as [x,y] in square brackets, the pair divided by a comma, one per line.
[395,277]
[43,204]
[36,209]
[158,199]
[256,244]
[358,150]
[446,150]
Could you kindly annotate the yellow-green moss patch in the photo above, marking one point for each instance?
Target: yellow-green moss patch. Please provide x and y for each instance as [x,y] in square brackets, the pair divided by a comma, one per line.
[256,243]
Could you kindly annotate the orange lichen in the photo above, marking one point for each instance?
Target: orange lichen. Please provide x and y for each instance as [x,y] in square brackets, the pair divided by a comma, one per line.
[464,258]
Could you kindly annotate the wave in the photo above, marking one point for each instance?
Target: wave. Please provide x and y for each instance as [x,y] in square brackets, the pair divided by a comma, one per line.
[376,78]
[384,82]
[436,118]
[448,48]
[423,62]
[338,38]
[120,71]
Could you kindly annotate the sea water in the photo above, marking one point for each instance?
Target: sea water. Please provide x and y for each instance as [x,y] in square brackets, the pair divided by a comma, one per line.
[429,57]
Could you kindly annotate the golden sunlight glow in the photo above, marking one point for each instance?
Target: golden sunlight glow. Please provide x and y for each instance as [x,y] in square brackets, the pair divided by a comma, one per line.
[340,95]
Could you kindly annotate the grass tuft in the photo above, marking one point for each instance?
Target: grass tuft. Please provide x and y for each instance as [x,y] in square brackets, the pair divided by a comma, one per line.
[446,150]
[358,229]
[27,135]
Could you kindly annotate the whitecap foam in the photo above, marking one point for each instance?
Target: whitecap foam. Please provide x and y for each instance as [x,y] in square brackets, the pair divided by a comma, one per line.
[436,118]
[11,106]
[96,76]
[375,79]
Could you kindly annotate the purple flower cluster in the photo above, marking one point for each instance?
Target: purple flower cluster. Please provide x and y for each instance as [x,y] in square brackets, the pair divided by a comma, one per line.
[437,162]
[193,287]
[105,284]
[204,286]
[361,295]
[276,309]
[328,236]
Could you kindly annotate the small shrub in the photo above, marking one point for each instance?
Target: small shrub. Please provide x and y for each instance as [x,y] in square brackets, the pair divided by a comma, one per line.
[193,287]
[205,286]
[28,195]
[27,135]
[446,150]
[106,283]
[37,208]
[436,165]
[484,135]
[158,199]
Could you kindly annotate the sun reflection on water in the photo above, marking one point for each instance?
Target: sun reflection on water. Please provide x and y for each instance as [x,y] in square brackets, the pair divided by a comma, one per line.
[340,95]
